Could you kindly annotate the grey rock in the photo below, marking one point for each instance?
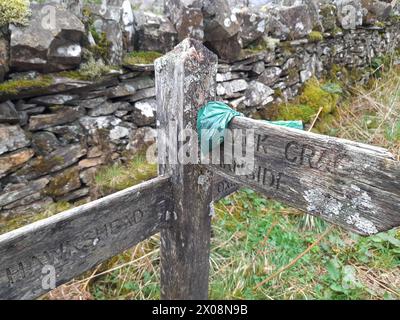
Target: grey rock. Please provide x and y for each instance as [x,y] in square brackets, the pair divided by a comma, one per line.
[141,138]
[154,32]
[4,58]
[30,209]
[92,124]
[144,112]
[57,99]
[187,17]
[12,138]
[228,49]
[143,94]
[109,20]
[270,76]
[61,116]
[104,109]
[25,201]
[122,90]
[220,22]
[227,76]
[328,16]
[129,87]
[252,26]
[376,11]
[258,67]
[69,134]
[75,195]
[258,94]
[22,106]
[14,192]
[10,162]
[44,142]
[64,182]
[93,103]
[350,13]
[55,161]
[228,89]
[119,132]
[8,114]
[47,44]
[289,23]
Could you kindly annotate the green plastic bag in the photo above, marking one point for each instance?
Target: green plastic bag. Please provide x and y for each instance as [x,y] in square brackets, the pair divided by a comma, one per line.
[214,118]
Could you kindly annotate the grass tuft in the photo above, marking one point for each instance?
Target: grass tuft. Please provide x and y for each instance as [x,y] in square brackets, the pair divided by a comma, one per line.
[121,176]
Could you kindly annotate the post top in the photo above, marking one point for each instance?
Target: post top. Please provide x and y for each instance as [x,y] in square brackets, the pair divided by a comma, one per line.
[188,49]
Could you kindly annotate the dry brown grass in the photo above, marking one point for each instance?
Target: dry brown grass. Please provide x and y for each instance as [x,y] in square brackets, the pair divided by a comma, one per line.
[372,115]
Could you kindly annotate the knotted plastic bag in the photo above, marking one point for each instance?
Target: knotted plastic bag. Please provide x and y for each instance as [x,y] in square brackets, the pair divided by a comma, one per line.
[214,118]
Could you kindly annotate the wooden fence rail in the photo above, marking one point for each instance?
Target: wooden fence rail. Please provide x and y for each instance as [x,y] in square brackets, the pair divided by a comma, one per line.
[354,185]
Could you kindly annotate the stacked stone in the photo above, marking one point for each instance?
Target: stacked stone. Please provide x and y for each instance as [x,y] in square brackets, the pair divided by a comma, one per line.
[51,145]
[277,74]
[54,138]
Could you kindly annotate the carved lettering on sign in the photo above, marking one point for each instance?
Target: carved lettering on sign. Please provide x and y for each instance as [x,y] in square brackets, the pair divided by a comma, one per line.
[225,186]
[264,176]
[261,145]
[80,244]
[315,158]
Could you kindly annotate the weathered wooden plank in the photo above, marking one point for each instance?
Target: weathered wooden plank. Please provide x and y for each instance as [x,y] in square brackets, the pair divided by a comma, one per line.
[222,187]
[185,81]
[354,185]
[76,240]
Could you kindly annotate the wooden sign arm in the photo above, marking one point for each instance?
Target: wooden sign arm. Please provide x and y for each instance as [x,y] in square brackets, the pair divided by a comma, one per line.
[354,185]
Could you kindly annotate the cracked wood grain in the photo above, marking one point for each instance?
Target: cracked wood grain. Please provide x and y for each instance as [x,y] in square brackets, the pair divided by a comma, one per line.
[78,239]
[354,185]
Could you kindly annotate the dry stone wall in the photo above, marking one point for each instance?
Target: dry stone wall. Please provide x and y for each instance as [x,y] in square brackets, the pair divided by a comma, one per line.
[54,137]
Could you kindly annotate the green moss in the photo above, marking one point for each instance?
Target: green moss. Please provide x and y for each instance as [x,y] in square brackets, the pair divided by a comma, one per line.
[102,47]
[45,165]
[316,97]
[57,184]
[336,31]
[287,47]
[141,57]
[14,11]
[7,225]
[15,86]
[290,111]
[315,36]
[88,71]
[307,105]
[379,24]
[326,125]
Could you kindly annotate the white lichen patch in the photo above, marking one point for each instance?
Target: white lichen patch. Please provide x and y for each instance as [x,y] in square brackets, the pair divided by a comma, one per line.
[146,109]
[345,208]
[318,201]
[362,224]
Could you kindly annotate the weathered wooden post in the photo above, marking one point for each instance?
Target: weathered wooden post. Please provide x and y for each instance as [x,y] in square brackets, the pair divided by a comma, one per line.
[185,81]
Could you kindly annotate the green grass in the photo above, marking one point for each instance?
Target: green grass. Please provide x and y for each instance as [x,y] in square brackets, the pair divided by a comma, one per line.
[141,57]
[117,177]
[252,238]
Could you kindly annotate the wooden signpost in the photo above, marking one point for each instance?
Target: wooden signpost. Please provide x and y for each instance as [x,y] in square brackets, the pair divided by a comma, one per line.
[354,185]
